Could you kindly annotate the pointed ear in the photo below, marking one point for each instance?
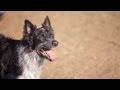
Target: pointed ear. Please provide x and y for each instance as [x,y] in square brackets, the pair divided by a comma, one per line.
[46,22]
[28,27]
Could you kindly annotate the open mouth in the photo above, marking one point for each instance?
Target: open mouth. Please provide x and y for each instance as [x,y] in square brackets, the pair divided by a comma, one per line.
[49,54]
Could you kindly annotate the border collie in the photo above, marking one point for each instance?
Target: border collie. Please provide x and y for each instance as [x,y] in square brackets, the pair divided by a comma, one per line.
[23,59]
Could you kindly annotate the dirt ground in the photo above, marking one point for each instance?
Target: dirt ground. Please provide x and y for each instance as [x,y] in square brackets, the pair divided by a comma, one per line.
[89,42]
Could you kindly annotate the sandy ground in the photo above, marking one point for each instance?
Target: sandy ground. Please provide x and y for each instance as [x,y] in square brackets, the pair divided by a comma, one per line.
[89,42]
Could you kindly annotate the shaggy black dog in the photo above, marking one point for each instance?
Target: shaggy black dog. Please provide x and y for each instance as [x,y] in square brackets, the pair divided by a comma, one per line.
[23,59]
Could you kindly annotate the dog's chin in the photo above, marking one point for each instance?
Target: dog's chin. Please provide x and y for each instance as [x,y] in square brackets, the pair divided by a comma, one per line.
[47,53]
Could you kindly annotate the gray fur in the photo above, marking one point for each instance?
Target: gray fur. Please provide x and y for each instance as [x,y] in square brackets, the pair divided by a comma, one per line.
[31,64]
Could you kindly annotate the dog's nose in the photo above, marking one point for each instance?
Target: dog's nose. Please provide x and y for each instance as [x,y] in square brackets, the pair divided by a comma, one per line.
[55,43]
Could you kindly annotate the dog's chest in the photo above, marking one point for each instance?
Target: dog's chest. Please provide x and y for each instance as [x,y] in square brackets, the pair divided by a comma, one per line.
[31,65]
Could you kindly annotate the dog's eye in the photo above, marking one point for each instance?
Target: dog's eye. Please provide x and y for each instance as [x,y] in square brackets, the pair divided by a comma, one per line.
[43,35]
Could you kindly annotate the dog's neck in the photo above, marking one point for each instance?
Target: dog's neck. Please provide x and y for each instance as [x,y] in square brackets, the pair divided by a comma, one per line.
[31,64]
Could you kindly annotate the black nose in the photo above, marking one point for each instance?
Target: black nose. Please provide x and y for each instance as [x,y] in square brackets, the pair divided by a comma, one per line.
[55,43]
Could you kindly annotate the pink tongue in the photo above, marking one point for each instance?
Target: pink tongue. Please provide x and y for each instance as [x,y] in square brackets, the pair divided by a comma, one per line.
[49,54]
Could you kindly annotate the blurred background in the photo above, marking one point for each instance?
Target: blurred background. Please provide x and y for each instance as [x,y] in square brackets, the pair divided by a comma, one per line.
[89,42]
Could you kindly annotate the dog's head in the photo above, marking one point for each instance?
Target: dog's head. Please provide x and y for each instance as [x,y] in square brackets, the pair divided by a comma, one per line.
[40,39]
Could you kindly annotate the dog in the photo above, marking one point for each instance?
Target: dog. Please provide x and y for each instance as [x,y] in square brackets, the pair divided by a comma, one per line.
[23,59]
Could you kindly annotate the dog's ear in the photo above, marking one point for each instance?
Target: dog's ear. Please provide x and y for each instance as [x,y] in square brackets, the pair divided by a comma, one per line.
[46,22]
[28,27]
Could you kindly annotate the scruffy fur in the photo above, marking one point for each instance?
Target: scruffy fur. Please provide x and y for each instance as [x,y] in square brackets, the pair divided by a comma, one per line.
[19,59]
